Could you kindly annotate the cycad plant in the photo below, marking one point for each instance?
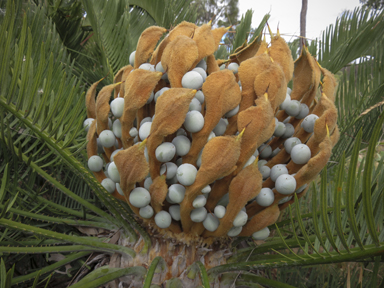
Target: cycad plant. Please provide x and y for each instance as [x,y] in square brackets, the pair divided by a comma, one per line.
[59,225]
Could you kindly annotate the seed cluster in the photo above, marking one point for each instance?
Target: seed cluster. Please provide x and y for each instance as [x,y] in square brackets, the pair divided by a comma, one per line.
[209,148]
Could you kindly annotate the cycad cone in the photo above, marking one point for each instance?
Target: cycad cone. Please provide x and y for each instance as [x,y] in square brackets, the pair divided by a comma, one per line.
[264,72]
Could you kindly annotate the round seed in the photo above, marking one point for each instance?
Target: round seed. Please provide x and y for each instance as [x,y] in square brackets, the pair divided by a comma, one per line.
[174,210]
[163,219]
[201,71]
[279,129]
[95,163]
[261,163]
[176,193]
[145,130]
[250,161]
[159,67]
[300,154]
[146,212]
[87,123]
[147,182]
[285,184]
[256,153]
[219,211]
[116,128]
[303,112]
[119,190]
[165,152]
[109,185]
[220,127]
[285,102]
[290,143]
[278,170]
[133,132]
[147,66]
[240,219]
[181,132]
[194,121]
[195,105]
[265,171]
[132,58]
[107,138]
[186,174]
[206,189]
[199,214]
[234,67]
[262,234]
[192,80]
[114,153]
[232,112]
[211,136]
[289,130]
[117,107]
[265,197]
[286,120]
[234,231]
[139,197]
[171,169]
[274,152]
[202,64]
[211,222]
[284,200]
[308,124]
[113,173]
[265,151]
[199,201]
[160,92]
[292,108]
[200,96]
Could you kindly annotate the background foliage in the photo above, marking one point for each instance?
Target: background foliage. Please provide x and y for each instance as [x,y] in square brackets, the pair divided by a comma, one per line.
[59,226]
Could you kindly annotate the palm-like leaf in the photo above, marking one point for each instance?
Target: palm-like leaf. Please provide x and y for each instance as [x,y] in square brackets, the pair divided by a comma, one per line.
[46,192]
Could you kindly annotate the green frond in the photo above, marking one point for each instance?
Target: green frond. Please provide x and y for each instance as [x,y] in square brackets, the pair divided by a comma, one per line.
[167,13]
[103,275]
[242,30]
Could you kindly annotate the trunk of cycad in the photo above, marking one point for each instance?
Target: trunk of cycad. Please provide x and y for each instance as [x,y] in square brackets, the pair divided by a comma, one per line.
[178,260]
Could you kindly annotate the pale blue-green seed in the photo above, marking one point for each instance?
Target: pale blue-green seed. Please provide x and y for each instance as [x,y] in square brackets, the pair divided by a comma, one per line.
[199,201]
[234,231]
[240,219]
[163,219]
[219,211]
[109,185]
[285,184]
[211,223]
[139,197]
[265,197]
[262,234]
[174,210]
[95,163]
[146,212]
[199,214]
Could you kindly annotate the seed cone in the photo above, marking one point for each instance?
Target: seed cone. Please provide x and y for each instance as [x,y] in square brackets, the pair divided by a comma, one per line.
[222,137]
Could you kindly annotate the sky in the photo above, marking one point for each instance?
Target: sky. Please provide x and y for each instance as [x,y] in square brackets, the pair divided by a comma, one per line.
[286,14]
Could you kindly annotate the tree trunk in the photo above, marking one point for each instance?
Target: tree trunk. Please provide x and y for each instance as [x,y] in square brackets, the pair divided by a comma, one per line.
[303,22]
